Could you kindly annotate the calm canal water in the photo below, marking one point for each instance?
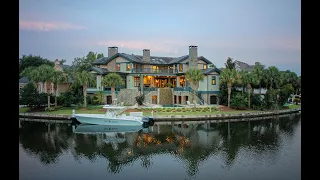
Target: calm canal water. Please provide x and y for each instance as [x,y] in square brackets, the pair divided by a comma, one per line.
[250,150]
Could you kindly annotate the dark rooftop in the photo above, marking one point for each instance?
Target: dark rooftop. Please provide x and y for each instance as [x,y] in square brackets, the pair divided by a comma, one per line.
[153,59]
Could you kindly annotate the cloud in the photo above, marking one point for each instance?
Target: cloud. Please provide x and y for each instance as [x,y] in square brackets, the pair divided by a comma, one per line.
[163,46]
[47,26]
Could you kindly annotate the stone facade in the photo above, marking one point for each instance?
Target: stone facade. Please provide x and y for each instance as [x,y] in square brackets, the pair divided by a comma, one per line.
[148,97]
[128,96]
[165,96]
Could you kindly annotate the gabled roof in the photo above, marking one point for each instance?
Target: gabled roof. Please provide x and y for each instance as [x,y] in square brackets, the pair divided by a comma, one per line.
[204,59]
[153,59]
[244,66]
[99,70]
[210,70]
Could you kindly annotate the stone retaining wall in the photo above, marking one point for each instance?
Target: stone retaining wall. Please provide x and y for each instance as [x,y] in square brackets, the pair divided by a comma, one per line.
[215,117]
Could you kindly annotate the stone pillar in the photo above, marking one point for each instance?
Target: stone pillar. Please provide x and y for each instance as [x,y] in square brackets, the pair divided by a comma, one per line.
[183,101]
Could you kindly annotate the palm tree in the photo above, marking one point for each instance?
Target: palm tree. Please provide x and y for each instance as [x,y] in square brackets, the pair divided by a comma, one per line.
[194,75]
[230,77]
[82,78]
[32,74]
[45,73]
[249,79]
[57,78]
[112,80]
[258,71]
[230,64]
[272,77]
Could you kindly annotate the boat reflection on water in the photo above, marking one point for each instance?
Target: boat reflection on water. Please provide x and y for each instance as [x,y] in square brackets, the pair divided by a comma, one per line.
[112,134]
[99,129]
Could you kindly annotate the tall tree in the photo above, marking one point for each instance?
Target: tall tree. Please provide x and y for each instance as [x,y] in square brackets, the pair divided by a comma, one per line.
[112,80]
[258,71]
[249,79]
[45,75]
[83,78]
[229,77]
[85,62]
[230,64]
[30,60]
[32,74]
[272,77]
[57,78]
[194,75]
[80,74]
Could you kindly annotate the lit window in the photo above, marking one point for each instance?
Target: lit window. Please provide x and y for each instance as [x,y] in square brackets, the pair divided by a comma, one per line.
[204,66]
[180,67]
[213,80]
[128,66]
[118,67]
[136,81]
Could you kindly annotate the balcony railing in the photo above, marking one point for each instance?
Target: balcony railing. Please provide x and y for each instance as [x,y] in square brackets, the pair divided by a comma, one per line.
[151,70]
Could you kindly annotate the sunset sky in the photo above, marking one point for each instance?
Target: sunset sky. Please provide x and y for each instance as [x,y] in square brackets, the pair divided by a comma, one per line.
[268,31]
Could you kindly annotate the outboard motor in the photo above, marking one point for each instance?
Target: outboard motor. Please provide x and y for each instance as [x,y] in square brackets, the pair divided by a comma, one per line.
[147,121]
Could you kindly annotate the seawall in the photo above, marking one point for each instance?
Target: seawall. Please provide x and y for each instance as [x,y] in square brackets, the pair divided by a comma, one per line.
[217,117]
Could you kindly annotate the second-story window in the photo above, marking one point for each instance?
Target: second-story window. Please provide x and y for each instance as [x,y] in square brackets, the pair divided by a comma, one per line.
[204,66]
[180,67]
[213,80]
[128,66]
[118,67]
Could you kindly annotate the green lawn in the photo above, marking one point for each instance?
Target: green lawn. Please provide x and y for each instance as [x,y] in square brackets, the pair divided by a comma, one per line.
[23,109]
[293,106]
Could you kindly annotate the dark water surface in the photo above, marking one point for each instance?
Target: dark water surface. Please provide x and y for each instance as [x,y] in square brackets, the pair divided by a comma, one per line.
[249,150]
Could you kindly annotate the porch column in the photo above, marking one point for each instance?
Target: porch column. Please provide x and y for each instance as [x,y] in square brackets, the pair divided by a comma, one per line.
[99,82]
[178,81]
[141,83]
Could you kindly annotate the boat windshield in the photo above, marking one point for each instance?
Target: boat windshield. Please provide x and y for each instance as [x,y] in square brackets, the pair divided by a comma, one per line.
[114,110]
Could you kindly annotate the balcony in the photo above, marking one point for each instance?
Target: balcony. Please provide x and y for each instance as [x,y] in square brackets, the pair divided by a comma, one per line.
[151,70]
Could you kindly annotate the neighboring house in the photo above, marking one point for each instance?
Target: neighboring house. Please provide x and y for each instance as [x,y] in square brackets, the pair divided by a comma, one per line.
[151,75]
[22,82]
[239,66]
[243,66]
[61,87]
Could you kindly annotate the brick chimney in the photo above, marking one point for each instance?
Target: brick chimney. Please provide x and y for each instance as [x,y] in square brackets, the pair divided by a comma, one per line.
[57,66]
[146,55]
[112,51]
[57,63]
[193,56]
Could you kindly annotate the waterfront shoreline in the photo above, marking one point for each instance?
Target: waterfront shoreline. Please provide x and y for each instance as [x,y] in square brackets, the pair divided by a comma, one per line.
[214,117]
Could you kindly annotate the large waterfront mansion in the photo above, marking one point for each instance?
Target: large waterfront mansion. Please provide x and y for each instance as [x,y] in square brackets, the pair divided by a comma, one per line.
[161,79]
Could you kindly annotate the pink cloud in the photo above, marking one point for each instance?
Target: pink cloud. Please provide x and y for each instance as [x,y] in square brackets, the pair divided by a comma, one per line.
[168,47]
[47,26]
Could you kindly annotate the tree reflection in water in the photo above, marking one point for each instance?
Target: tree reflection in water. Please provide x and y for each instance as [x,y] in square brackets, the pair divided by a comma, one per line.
[192,144]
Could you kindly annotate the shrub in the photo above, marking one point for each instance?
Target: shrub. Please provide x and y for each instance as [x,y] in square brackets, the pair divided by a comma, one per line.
[29,96]
[140,99]
[239,101]
[66,99]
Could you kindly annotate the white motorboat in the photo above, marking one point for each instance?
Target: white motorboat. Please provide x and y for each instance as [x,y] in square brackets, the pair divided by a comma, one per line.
[113,116]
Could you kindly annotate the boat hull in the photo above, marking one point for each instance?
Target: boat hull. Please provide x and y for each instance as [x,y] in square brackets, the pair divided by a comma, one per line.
[106,120]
